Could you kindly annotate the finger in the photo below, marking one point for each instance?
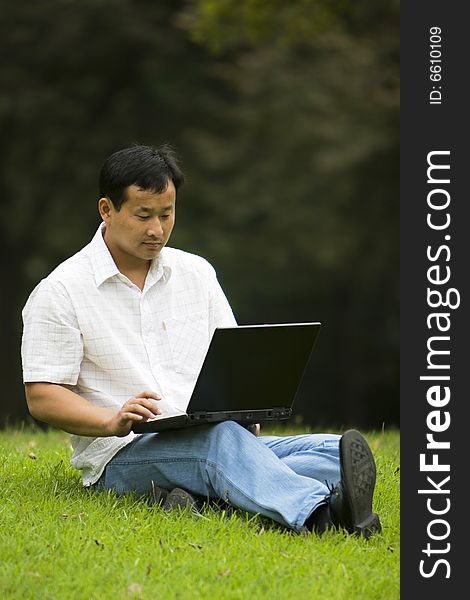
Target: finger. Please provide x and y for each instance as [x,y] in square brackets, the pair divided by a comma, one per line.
[127,416]
[149,403]
[149,394]
[138,409]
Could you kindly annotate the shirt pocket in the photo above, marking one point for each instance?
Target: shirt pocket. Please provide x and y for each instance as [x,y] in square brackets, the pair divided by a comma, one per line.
[188,339]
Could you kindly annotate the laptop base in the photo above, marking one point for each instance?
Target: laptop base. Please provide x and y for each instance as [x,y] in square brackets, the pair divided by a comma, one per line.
[244,417]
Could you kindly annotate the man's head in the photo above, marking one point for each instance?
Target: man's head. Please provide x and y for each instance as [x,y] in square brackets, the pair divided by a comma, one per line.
[138,192]
[147,168]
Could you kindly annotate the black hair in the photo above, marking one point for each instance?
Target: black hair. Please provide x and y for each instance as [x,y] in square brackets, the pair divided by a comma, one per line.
[144,166]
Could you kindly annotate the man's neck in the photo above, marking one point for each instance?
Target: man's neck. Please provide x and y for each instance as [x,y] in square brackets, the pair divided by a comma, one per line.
[137,276]
[135,269]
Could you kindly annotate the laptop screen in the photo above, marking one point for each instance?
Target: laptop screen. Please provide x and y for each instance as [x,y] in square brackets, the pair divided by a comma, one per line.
[254,367]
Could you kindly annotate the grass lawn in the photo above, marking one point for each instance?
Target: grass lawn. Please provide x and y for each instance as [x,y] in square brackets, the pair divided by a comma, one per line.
[59,540]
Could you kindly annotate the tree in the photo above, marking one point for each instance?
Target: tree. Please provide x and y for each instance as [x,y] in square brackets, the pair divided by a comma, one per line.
[287,126]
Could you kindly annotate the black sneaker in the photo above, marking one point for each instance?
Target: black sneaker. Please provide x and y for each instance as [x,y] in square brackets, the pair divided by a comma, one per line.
[351,499]
[158,495]
[179,498]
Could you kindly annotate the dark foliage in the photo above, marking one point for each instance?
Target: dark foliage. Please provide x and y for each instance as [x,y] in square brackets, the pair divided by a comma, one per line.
[288,133]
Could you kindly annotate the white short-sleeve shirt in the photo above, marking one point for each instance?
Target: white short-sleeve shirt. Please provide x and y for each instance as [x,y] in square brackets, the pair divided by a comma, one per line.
[88,327]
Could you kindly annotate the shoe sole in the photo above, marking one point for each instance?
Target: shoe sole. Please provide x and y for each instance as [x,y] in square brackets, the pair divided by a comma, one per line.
[358,474]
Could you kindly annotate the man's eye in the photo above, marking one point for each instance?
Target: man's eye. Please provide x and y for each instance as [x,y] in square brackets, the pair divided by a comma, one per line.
[165,217]
[143,217]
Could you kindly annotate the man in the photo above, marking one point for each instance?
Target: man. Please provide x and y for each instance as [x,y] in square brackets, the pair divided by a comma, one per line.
[116,335]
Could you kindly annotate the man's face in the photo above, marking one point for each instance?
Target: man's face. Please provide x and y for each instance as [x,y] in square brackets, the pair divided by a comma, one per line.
[142,227]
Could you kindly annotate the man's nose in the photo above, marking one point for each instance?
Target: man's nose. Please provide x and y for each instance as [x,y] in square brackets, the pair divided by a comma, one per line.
[155,228]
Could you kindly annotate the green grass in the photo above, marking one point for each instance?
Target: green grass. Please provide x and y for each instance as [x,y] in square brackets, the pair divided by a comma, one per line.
[59,540]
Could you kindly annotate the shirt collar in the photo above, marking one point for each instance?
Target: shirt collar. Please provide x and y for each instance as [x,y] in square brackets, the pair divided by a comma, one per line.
[104,266]
[159,269]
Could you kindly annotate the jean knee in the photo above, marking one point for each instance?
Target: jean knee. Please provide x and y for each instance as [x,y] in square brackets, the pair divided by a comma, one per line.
[229,428]
[229,435]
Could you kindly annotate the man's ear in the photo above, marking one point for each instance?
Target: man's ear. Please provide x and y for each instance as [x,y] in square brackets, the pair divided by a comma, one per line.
[104,208]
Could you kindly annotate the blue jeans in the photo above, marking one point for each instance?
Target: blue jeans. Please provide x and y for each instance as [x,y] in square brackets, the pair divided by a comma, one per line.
[283,478]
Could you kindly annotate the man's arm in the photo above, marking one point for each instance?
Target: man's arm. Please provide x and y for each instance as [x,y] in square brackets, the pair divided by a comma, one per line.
[60,407]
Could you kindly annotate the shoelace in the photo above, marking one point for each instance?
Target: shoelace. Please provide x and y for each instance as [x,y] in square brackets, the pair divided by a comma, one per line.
[333,489]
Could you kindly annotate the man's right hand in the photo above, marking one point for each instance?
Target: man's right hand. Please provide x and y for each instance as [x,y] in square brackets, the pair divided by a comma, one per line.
[66,410]
[139,408]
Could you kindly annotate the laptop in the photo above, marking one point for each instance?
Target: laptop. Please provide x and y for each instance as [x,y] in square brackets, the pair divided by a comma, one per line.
[251,374]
